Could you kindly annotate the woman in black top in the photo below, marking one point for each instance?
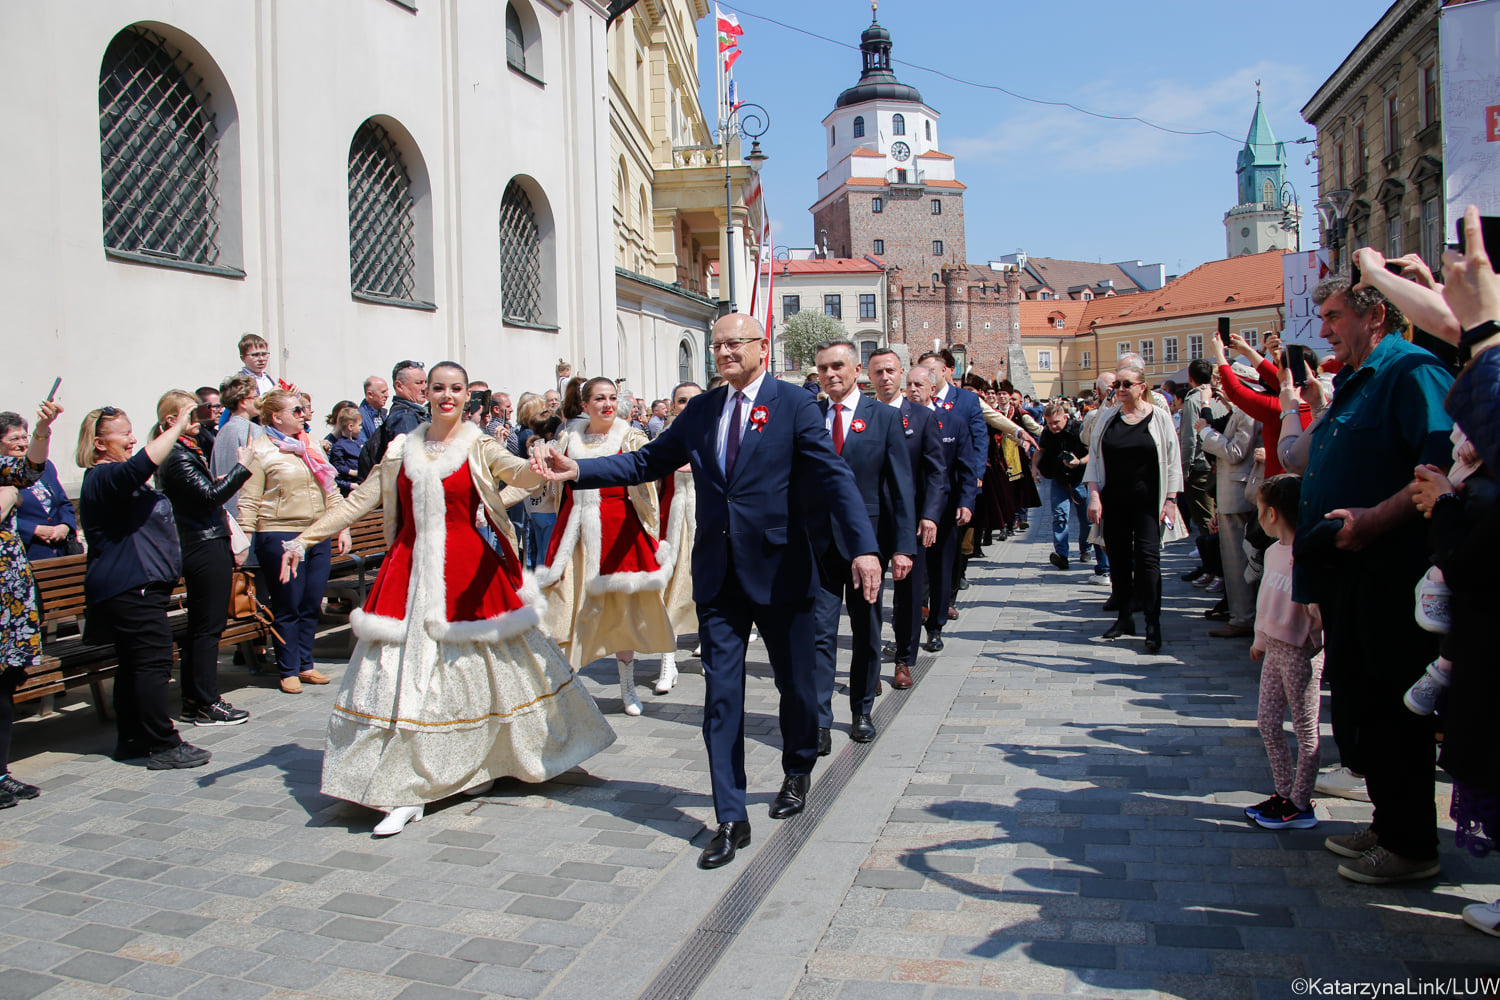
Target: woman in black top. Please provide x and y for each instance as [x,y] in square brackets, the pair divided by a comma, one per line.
[1134,474]
[134,562]
[207,562]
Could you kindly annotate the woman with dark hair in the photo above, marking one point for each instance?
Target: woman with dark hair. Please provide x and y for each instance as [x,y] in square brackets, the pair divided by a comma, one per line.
[572,401]
[44,512]
[207,563]
[605,570]
[291,485]
[452,684]
[134,562]
[20,617]
[1134,474]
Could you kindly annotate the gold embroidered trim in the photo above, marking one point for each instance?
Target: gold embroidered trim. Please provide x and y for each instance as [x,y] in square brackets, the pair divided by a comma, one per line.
[455,722]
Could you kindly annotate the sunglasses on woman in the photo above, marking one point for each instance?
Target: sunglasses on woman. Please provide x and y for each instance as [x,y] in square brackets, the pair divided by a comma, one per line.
[105,412]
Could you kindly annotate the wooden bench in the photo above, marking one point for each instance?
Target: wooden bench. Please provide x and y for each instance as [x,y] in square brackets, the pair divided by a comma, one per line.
[351,575]
[70,661]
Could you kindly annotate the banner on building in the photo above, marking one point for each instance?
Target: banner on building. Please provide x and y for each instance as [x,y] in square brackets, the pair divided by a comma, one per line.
[1300,274]
[1469,39]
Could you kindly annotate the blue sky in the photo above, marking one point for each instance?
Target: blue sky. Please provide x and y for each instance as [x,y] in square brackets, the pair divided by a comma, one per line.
[1049,180]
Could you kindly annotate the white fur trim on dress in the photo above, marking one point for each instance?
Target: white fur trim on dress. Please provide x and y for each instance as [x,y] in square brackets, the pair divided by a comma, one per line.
[377,628]
[508,625]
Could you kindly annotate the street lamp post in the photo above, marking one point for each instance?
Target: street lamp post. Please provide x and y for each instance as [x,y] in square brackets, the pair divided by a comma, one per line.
[1291,212]
[1333,214]
[750,120]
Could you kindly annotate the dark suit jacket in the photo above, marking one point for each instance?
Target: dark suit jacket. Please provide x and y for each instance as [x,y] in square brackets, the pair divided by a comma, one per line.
[32,512]
[924,449]
[757,519]
[962,419]
[882,471]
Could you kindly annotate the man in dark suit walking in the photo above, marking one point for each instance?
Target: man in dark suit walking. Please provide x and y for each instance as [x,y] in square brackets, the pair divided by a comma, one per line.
[965,444]
[868,437]
[924,448]
[757,447]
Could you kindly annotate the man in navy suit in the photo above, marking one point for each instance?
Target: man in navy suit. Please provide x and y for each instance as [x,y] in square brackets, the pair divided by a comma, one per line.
[758,448]
[924,448]
[868,437]
[966,448]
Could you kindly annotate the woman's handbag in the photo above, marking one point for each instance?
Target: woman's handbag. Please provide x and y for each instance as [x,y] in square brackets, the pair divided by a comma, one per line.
[242,601]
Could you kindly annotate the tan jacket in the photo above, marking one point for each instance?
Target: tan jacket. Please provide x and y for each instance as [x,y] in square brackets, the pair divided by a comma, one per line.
[281,493]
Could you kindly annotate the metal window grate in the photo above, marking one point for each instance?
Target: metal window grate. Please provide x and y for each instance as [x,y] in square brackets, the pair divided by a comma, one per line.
[158,151]
[520,257]
[382,227]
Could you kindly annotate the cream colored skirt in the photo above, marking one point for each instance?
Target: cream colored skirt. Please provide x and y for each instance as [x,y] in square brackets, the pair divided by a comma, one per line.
[417,722]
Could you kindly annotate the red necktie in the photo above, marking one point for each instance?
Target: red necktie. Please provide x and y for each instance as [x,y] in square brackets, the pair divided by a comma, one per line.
[838,427]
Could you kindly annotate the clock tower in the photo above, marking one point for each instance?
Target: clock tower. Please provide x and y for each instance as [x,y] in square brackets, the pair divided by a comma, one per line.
[1261,221]
[889,190]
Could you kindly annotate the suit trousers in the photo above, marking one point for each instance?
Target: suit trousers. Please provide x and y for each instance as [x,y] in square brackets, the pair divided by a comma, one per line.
[788,632]
[1132,534]
[1196,503]
[137,620]
[942,559]
[906,609]
[1239,592]
[837,592]
[207,567]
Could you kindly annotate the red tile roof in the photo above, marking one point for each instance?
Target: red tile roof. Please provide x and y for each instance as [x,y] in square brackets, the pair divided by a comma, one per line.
[933,154]
[1236,283]
[867,151]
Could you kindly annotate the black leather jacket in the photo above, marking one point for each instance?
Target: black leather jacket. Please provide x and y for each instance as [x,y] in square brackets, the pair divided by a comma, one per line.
[197,498]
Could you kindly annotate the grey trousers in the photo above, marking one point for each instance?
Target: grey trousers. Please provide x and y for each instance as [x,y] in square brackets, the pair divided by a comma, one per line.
[1237,591]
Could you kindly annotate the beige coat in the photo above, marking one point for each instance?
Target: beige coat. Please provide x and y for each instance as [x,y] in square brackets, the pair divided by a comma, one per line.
[281,493]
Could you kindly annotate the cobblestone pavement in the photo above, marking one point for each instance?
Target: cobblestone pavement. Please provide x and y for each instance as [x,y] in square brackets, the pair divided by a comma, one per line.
[1047,814]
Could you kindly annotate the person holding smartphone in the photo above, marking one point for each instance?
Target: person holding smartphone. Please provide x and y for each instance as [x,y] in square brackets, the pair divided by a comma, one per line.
[1060,458]
[198,499]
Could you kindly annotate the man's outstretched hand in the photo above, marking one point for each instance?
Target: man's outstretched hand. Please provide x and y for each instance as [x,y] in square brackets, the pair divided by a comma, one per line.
[553,465]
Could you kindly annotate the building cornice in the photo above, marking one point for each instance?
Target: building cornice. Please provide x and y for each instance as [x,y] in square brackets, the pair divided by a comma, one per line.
[662,286]
[1397,18]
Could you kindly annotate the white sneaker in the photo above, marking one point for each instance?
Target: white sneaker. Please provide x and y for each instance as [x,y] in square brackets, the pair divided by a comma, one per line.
[1343,783]
[1099,579]
[395,821]
[754,635]
[667,679]
[1432,603]
[1422,697]
[698,650]
[631,700]
[1484,917]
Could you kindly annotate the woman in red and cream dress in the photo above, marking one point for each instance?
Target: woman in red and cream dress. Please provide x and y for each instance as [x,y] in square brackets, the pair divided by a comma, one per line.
[679,522]
[452,683]
[605,568]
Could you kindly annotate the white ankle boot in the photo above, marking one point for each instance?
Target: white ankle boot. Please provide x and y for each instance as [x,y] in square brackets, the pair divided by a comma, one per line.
[631,700]
[667,679]
[395,821]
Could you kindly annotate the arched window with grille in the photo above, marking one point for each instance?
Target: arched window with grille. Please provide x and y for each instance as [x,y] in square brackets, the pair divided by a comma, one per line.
[527,273]
[859,126]
[685,360]
[162,154]
[389,218]
[515,39]
[898,124]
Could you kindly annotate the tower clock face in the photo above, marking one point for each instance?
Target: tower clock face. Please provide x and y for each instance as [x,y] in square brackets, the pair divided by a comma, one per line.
[900,151]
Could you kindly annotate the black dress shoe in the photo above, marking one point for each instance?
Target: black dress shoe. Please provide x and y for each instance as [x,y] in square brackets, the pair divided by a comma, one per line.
[730,838]
[825,742]
[1190,577]
[934,643]
[1153,637]
[890,652]
[791,798]
[1122,626]
[863,730]
[1058,561]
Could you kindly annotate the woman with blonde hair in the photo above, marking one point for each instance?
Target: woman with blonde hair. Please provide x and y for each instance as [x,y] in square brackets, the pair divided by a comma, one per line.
[207,563]
[605,569]
[452,684]
[134,561]
[291,485]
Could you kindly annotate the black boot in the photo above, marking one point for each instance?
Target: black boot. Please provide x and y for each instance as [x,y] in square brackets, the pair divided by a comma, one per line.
[1124,625]
[1153,636]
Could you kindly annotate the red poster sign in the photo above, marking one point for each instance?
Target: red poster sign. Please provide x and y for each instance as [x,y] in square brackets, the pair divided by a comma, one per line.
[1492,123]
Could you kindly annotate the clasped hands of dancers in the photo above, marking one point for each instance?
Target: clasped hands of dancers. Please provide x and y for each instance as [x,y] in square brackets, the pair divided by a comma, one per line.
[453,686]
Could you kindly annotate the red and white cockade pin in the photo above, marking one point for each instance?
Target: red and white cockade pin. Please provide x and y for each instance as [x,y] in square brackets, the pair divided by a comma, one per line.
[857,426]
[758,417]
[948,405]
[906,422]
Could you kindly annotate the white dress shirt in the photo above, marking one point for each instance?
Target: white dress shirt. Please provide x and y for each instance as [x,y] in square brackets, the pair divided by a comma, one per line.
[750,392]
[847,417]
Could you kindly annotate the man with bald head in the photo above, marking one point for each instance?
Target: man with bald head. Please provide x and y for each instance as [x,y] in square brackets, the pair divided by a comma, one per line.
[762,463]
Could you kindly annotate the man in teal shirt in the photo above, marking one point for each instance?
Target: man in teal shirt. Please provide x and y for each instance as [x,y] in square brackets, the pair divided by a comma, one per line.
[1385,419]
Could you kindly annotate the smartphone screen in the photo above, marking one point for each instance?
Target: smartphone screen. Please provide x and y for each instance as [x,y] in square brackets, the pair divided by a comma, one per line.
[1298,359]
[1489,232]
[1224,329]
